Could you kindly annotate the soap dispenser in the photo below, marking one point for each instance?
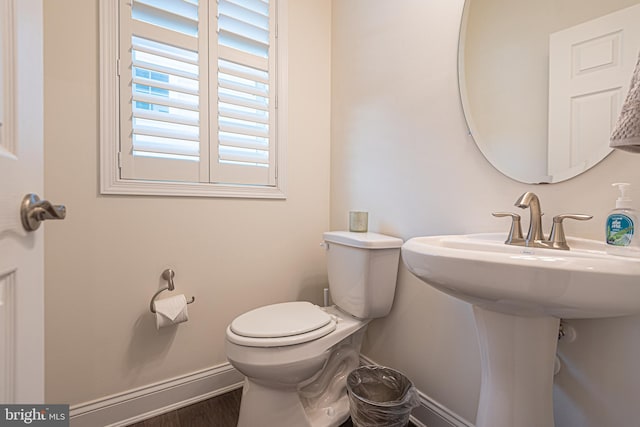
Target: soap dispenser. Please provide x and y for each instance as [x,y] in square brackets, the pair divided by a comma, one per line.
[620,230]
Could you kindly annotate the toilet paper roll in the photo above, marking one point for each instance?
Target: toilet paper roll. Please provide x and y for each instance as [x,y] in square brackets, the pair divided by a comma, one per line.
[171,311]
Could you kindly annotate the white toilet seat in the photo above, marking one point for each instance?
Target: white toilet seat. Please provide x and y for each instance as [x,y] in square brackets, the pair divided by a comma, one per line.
[281,324]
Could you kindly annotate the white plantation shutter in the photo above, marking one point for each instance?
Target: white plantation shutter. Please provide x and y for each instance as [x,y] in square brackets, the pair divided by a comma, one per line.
[244,83]
[197,104]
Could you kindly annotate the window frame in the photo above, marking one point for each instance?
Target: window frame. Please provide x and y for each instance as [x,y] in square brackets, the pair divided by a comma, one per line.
[109,138]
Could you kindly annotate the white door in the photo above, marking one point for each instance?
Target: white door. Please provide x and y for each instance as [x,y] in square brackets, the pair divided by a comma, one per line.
[590,67]
[21,172]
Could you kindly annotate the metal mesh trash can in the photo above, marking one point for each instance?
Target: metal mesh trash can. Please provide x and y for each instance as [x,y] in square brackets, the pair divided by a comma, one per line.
[380,397]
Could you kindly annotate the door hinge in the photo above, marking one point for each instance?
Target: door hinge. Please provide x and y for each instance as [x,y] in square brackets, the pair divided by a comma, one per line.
[119,159]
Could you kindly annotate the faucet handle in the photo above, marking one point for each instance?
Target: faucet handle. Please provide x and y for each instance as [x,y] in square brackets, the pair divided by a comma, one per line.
[515,233]
[557,238]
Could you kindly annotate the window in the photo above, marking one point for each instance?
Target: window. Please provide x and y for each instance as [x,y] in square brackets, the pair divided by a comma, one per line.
[156,78]
[192,97]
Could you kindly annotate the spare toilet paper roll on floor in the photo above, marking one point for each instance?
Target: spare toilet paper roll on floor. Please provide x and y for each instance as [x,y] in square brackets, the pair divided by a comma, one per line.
[171,311]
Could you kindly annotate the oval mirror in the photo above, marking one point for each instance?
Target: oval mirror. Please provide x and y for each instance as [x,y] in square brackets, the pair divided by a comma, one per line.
[542,82]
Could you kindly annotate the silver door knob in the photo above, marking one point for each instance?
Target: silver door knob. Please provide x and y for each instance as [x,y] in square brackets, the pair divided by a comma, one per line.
[33,211]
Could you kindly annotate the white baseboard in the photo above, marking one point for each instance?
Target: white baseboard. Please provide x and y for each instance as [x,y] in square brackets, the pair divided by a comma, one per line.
[430,413]
[138,404]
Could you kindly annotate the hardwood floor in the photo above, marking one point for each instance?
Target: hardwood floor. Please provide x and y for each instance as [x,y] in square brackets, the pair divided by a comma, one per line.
[219,411]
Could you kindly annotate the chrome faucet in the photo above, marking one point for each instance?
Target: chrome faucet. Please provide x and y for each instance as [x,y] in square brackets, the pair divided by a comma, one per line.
[535,237]
[530,200]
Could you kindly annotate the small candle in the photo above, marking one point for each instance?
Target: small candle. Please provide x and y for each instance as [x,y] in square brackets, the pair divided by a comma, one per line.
[358,221]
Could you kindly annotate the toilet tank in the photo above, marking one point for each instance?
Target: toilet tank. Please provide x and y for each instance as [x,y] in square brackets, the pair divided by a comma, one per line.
[362,269]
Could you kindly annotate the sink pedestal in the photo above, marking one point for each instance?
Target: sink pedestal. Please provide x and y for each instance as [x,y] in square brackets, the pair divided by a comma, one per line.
[517,355]
[537,287]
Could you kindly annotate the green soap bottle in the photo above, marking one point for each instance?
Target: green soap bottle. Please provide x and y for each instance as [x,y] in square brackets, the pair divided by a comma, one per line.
[620,230]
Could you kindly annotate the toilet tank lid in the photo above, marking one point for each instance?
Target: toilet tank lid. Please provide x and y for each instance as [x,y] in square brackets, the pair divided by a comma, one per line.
[362,240]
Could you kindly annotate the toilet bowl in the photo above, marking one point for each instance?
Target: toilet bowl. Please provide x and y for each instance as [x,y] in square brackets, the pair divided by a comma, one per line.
[300,384]
[296,356]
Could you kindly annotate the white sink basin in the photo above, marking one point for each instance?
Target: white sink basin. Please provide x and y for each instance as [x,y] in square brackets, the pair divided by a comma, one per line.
[584,282]
[518,296]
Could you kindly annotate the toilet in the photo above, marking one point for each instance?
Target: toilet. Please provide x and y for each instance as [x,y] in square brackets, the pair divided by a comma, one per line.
[296,356]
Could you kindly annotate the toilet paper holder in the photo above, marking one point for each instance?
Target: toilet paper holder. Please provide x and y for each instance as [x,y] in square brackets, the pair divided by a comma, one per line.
[167,275]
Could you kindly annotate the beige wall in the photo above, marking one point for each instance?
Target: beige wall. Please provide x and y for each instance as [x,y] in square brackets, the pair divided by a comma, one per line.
[401,151]
[103,263]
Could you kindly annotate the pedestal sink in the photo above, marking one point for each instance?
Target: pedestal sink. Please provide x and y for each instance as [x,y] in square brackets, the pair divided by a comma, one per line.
[519,295]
